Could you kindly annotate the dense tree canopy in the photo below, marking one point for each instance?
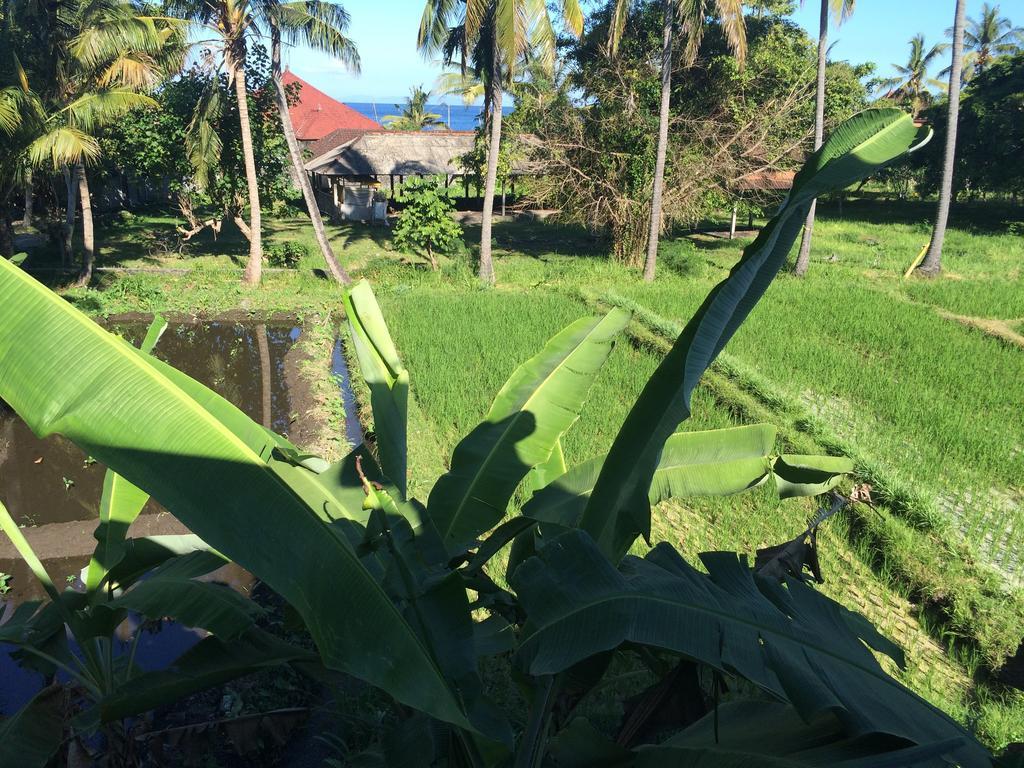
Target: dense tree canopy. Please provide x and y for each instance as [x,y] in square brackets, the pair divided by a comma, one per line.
[990,138]
[727,120]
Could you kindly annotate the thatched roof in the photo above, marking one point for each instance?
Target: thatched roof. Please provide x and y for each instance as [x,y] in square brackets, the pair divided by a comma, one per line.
[398,153]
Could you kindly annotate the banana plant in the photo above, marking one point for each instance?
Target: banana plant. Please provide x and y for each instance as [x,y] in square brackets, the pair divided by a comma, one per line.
[403,595]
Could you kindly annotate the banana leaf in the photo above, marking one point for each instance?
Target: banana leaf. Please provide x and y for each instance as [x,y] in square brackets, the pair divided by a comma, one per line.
[539,402]
[619,509]
[793,642]
[718,462]
[63,374]
[386,377]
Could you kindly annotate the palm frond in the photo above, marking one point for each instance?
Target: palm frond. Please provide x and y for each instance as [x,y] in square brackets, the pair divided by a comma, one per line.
[202,141]
[61,146]
[320,25]
[101,107]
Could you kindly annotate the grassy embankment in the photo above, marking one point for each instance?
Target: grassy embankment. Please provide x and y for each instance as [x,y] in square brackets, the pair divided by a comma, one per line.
[902,375]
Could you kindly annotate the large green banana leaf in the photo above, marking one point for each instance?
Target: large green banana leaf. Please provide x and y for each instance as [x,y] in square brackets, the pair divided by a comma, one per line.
[618,510]
[717,462]
[63,374]
[792,642]
[386,377]
[538,403]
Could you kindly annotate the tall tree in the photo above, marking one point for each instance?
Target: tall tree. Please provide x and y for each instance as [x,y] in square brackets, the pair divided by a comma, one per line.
[232,23]
[841,10]
[322,26]
[932,264]
[987,37]
[692,16]
[414,115]
[913,83]
[493,36]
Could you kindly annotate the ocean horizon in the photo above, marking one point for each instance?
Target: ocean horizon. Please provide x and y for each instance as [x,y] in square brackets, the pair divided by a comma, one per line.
[457,117]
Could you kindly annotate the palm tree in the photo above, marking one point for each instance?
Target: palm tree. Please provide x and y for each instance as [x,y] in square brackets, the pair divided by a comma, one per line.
[990,36]
[932,264]
[692,16]
[232,23]
[320,25]
[492,36]
[102,57]
[841,10]
[913,83]
[414,115]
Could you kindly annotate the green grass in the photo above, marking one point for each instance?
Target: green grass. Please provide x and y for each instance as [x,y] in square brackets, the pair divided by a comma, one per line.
[852,358]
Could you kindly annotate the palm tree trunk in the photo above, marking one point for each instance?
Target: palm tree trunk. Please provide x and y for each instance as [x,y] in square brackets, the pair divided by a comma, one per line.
[803,259]
[68,230]
[254,267]
[650,264]
[88,235]
[486,261]
[26,220]
[295,151]
[932,264]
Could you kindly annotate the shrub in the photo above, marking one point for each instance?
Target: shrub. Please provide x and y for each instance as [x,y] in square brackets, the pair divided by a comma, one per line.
[426,222]
[286,255]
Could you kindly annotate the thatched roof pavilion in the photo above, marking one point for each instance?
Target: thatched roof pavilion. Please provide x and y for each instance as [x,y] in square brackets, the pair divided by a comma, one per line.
[346,176]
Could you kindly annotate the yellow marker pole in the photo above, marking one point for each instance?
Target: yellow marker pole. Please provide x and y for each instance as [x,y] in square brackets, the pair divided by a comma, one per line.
[916,262]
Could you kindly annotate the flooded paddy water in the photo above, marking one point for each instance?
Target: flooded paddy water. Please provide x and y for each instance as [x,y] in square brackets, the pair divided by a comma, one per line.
[52,489]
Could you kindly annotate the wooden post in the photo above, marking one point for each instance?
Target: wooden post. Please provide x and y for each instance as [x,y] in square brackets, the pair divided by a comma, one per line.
[503,198]
[392,177]
[465,181]
[513,181]
[732,222]
[750,218]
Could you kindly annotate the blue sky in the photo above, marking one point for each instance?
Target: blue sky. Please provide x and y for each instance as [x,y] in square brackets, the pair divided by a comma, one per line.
[385,33]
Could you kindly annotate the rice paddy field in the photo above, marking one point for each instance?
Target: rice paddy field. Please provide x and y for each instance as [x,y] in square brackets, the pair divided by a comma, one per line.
[921,382]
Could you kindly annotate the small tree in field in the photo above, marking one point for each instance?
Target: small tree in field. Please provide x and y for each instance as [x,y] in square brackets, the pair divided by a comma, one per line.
[426,222]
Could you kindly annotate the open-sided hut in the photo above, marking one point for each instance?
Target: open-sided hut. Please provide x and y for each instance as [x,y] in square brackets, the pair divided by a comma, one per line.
[346,177]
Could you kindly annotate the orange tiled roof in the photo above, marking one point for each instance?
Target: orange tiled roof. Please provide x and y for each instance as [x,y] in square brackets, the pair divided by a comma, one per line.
[317,114]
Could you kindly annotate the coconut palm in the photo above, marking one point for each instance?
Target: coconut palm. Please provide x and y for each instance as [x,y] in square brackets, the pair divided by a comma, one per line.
[415,116]
[840,10]
[990,36]
[913,84]
[692,16]
[320,25]
[491,38]
[932,264]
[102,57]
[231,23]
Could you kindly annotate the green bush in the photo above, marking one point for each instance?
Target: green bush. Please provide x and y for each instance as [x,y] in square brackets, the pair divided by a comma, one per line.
[286,255]
[426,222]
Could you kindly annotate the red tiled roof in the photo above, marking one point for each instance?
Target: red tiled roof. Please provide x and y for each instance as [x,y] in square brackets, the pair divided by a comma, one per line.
[317,114]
